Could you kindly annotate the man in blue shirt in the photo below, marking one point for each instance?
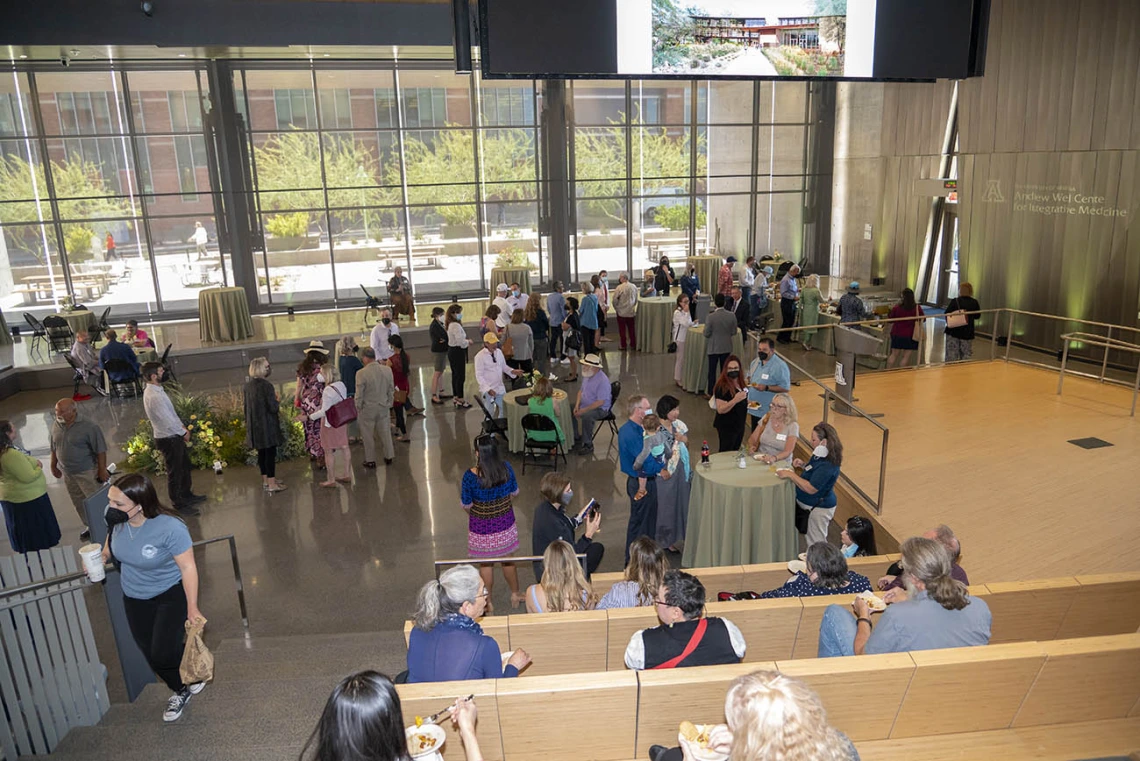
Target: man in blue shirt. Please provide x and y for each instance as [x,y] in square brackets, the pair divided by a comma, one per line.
[938,613]
[118,350]
[556,308]
[588,314]
[642,512]
[767,376]
[789,295]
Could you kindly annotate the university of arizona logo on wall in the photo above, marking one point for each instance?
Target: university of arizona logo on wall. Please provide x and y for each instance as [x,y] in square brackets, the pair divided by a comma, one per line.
[993,192]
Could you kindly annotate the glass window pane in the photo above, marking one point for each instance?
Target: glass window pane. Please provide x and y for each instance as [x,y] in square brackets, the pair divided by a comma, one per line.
[186,260]
[445,250]
[601,239]
[660,102]
[600,161]
[81,103]
[661,159]
[790,102]
[22,182]
[728,150]
[290,160]
[728,103]
[91,176]
[298,260]
[31,270]
[15,114]
[507,164]
[436,158]
[507,104]
[436,98]
[599,103]
[779,224]
[728,217]
[271,100]
[780,150]
[362,169]
[103,277]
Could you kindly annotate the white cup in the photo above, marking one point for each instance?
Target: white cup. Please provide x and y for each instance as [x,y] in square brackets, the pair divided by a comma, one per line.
[92,555]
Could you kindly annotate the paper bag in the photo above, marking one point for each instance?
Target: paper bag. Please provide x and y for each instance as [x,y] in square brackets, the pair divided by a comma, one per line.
[197,661]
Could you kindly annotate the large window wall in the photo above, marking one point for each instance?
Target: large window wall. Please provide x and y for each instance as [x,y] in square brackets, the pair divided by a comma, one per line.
[109,189]
[104,180]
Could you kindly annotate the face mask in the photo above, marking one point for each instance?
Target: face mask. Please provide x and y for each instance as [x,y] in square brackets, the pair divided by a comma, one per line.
[387,320]
[459,316]
[61,420]
[515,293]
[763,356]
[439,319]
[733,373]
[820,451]
[114,516]
[567,496]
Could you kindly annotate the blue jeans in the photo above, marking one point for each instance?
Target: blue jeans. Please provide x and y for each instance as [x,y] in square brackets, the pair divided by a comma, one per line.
[746,297]
[494,404]
[837,632]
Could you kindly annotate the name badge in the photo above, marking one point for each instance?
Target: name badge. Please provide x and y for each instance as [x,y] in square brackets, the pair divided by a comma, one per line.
[781,437]
[764,376]
[809,467]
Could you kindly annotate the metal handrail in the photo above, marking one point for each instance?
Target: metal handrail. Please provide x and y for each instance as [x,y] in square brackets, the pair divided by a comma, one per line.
[1108,343]
[81,577]
[876,505]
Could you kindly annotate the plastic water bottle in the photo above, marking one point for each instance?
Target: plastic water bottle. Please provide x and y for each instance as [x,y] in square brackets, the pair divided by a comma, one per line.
[705,454]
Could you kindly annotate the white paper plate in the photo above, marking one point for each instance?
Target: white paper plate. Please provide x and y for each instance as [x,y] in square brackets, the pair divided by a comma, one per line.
[797,566]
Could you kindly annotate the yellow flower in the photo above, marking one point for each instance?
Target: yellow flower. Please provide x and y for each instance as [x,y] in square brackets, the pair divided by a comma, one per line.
[193,417]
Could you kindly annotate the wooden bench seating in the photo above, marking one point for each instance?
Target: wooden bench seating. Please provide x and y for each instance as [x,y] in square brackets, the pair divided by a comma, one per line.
[1018,697]
[788,628]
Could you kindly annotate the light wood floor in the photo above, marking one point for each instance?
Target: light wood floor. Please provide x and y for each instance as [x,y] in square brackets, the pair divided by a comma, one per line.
[983,448]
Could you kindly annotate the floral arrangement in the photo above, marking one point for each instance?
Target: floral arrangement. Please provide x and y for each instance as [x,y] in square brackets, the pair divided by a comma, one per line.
[216,423]
[68,303]
[532,377]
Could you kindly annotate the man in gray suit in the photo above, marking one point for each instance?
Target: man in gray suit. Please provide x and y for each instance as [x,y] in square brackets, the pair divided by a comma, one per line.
[375,393]
[720,327]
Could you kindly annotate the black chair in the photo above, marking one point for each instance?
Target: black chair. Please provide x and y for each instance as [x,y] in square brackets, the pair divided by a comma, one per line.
[82,376]
[96,331]
[532,448]
[610,417]
[169,375]
[39,332]
[122,388]
[372,305]
[59,334]
[491,426]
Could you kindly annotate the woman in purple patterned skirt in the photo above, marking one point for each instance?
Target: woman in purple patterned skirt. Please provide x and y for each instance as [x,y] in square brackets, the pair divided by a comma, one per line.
[491,531]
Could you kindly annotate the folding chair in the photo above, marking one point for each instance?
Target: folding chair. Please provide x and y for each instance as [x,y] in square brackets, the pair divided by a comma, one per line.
[82,377]
[491,426]
[615,393]
[532,447]
[169,375]
[59,334]
[372,306]
[120,388]
[38,330]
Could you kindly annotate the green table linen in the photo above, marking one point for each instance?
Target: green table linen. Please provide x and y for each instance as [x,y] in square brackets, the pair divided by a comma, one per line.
[695,364]
[82,319]
[508,276]
[707,268]
[654,323]
[223,315]
[739,516]
[563,407]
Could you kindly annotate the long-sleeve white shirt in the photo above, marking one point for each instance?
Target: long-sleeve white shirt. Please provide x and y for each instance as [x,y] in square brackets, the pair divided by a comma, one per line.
[379,339]
[505,311]
[160,412]
[747,277]
[333,393]
[457,337]
[489,371]
[516,302]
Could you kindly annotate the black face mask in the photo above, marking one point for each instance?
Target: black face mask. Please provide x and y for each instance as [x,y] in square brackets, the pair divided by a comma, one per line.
[763,356]
[113,517]
[387,320]
[733,373]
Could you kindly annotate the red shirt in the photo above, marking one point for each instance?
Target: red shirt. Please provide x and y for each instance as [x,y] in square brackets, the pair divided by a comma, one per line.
[724,280]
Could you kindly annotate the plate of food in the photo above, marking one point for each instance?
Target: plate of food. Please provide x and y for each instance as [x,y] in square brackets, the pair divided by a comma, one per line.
[797,566]
[754,405]
[697,736]
[425,742]
[874,602]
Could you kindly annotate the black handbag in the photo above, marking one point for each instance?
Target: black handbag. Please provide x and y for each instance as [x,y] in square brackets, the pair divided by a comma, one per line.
[572,340]
[802,519]
[672,347]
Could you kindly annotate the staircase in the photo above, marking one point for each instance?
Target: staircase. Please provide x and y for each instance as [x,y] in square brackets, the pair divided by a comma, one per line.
[264,702]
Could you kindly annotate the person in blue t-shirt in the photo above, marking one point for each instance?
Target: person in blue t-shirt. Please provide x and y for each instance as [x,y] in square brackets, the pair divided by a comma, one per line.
[815,486]
[768,375]
[159,579]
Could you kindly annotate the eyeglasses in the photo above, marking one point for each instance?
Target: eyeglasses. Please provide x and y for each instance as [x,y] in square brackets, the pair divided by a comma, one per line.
[484,593]
[662,602]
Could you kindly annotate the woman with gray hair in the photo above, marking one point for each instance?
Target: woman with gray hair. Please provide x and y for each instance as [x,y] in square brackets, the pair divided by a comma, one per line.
[447,644]
[826,574]
[262,422]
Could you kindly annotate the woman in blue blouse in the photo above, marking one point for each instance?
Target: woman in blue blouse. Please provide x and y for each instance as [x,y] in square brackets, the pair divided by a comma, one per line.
[447,644]
[826,574]
[815,487]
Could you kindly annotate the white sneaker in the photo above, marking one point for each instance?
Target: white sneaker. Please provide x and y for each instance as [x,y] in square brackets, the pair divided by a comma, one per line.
[566,361]
[196,687]
[176,704]
[552,377]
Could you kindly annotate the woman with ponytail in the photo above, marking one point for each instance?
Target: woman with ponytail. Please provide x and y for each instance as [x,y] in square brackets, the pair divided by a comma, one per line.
[447,644]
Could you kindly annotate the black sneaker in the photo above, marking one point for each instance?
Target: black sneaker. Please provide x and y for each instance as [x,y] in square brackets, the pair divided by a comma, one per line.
[84,535]
[176,704]
[194,499]
[188,510]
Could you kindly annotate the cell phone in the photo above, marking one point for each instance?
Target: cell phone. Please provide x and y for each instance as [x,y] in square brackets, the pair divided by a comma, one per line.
[591,509]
